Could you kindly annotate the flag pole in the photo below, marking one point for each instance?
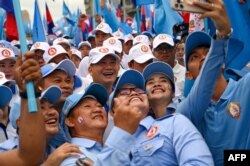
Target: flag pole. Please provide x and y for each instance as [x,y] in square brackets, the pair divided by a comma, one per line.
[22,38]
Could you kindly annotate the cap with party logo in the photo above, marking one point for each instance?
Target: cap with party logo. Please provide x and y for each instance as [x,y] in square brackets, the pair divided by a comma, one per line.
[113,43]
[141,53]
[52,52]
[141,39]
[76,52]
[128,37]
[6,53]
[96,54]
[61,40]
[39,46]
[104,27]
[84,43]
[163,38]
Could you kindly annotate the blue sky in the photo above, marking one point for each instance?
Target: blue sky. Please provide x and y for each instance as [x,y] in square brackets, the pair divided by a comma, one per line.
[55,7]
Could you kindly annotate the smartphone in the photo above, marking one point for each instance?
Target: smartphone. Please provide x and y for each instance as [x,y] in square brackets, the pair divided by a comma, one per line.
[182,5]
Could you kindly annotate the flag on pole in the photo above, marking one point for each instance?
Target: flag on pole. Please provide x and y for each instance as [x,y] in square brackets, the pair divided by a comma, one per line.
[144,2]
[165,17]
[50,23]
[2,21]
[143,18]
[38,33]
[66,11]
[240,21]
[10,23]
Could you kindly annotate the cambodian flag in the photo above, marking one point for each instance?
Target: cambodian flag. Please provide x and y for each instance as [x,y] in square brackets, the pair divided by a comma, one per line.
[10,24]
[50,22]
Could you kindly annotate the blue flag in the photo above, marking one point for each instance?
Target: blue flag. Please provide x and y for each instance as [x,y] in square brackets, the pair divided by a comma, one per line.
[38,33]
[2,20]
[165,17]
[144,2]
[240,21]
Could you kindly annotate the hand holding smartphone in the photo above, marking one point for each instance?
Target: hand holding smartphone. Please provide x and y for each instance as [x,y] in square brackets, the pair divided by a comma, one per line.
[183,5]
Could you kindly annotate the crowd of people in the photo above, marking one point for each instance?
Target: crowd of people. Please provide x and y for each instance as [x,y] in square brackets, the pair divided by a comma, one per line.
[119,99]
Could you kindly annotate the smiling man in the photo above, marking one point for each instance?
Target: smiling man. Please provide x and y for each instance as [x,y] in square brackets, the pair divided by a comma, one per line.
[85,121]
[104,66]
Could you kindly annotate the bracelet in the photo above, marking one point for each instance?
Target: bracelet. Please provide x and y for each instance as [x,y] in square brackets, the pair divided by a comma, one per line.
[218,36]
[24,95]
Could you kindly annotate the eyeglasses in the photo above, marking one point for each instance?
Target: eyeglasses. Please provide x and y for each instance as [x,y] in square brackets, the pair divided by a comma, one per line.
[128,91]
[162,48]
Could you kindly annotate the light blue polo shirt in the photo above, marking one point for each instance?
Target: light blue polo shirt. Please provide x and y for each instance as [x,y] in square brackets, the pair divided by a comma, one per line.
[225,124]
[169,141]
[89,148]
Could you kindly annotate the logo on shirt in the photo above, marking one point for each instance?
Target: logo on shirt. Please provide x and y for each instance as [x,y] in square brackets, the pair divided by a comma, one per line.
[152,132]
[233,109]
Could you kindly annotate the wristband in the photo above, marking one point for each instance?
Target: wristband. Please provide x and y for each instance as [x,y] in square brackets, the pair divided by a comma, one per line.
[24,95]
[219,37]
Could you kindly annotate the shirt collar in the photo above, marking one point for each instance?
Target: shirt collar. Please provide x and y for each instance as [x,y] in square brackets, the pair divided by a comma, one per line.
[147,122]
[87,143]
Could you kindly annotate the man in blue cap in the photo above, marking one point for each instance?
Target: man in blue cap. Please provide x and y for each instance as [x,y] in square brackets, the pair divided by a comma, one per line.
[85,121]
[63,76]
[225,122]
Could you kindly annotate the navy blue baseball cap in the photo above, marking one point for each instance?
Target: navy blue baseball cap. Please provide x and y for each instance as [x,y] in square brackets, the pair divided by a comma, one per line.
[159,67]
[194,40]
[133,77]
[7,95]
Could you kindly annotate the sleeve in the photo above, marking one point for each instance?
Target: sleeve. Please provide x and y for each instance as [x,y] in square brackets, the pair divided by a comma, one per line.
[190,147]
[196,103]
[117,148]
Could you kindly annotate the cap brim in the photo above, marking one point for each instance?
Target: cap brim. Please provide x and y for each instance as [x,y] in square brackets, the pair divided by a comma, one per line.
[98,91]
[65,65]
[101,57]
[194,40]
[52,94]
[7,93]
